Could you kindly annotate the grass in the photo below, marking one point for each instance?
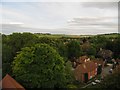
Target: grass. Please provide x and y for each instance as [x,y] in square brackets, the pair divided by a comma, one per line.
[112,35]
[63,36]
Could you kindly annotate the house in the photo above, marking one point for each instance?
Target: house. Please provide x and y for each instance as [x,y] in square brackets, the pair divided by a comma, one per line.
[9,83]
[80,60]
[85,71]
[98,61]
[100,65]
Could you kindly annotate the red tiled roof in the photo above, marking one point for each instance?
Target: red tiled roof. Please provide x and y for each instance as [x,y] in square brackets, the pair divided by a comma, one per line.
[86,67]
[82,59]
[98,61]
[9,82]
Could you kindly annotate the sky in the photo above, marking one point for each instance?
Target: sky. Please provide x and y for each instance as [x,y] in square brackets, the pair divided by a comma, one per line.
[74,18]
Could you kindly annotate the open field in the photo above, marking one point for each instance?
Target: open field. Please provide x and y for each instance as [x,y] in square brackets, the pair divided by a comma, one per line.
[113,35]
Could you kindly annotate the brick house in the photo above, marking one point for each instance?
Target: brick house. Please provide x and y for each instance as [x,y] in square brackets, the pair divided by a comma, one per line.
[80,60]
[100,65]
[85,71]
[83,59]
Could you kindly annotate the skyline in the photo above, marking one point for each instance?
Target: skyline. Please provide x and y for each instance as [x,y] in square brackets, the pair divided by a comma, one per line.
[77,18]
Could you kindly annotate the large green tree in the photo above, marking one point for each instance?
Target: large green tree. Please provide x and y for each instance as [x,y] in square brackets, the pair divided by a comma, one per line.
[39,66]
[57,44]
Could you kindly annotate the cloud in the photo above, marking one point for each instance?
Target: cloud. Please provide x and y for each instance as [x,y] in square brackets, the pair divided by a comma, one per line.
[13,15]
[101,5]
[63,17]
[93,25]
[92,21]
[59,0]
[10,28]
[7,28]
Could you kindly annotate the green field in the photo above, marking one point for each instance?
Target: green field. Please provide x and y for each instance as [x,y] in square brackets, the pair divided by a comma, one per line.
[112,35]
[62,36]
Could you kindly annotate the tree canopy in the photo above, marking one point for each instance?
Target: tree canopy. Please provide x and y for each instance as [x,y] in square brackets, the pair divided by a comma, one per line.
[73,49]
[39,66]
[43,60]
[111,81]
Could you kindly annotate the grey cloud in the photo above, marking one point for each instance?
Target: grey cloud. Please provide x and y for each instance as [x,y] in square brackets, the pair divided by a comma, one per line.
[93,24]
[90,31]
[96,21]
[8,29]
[100,5]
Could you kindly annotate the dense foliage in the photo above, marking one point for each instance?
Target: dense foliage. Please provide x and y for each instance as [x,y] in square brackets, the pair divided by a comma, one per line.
[39,66]
[11,45]
[111,81]
[62,49]
[73,50]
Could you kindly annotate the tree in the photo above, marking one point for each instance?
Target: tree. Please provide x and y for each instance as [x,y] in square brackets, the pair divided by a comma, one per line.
[116,47]
[113,45]
[46,40]
[69,72]
[111,81]
[105,54]
[39,66]
[11,45]
[99,42]
[6,53]
[73,49]
[61,48]
[88,49]
[57,44]
[18,41]
[91,51]
[7,58]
